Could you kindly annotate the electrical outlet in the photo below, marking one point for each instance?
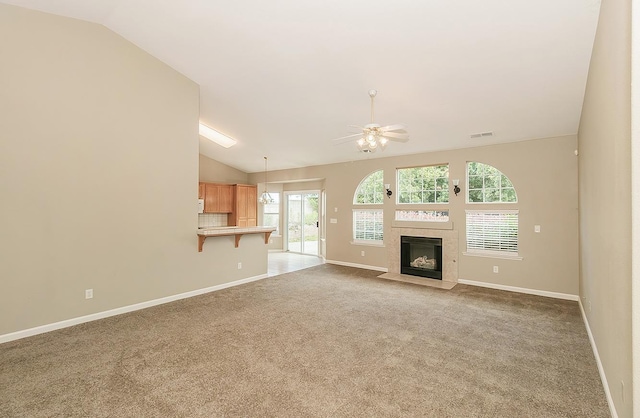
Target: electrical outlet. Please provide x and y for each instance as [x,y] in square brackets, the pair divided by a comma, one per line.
[495,269]
[335,209]
[239,266]
[536,228]
[88,294]
[362,253]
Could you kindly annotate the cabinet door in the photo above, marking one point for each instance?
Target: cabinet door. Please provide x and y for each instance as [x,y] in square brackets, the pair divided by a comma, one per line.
[241,202]
[252,206]
[218,198]
[211,198]
[245,206]
[201,190]
[226,198]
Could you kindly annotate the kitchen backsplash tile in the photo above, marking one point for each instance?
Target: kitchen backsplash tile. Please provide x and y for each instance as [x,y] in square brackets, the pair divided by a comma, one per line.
[206,220]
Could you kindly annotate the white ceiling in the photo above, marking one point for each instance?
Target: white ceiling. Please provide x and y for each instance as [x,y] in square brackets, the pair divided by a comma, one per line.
[284,77]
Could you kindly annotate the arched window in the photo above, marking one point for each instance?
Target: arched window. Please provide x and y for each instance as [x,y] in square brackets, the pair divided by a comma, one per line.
[368,213]
[490,233]
[487,184]
[370,190]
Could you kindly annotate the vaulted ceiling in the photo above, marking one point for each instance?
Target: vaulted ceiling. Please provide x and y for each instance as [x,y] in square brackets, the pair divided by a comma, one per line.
[285,77]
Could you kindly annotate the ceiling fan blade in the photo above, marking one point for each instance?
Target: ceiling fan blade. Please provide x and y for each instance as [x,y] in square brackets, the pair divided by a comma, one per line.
[399,139]
[344,139]
[356,127]
[396,127]
[396,135]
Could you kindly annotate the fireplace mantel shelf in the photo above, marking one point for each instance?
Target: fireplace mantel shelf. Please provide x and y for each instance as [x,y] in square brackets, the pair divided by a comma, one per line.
[422,225]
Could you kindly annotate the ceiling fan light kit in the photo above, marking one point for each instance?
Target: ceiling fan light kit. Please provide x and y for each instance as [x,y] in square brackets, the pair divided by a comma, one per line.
[373,135]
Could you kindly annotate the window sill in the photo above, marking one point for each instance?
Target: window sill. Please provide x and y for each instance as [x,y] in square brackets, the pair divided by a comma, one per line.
[421,224]
[502,257]
[368,244]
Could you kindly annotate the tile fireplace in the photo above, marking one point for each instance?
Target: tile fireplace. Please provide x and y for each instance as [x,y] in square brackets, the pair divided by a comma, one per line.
[448,264]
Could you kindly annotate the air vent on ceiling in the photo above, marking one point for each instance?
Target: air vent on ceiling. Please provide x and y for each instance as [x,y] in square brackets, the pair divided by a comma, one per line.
[481,135]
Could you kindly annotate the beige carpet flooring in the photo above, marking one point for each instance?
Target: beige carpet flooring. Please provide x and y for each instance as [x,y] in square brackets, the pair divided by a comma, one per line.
[328,341]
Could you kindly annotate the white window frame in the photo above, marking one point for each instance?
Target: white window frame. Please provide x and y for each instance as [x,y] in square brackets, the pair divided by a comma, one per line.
[377,196]
[276,233]
[477,240]
[379,212]
[373,206]
[435,190]
[500,188]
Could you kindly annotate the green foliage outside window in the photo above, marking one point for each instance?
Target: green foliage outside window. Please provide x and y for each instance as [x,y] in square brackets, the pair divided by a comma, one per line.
[370,190]
[428,184]
[486,184]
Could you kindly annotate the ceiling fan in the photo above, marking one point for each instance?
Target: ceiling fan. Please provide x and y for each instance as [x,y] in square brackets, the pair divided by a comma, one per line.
[374,136]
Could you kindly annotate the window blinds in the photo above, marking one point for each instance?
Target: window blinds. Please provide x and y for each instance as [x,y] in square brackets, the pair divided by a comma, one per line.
[492,232]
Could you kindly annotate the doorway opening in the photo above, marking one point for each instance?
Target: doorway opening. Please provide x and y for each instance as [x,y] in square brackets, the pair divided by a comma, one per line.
[303,222]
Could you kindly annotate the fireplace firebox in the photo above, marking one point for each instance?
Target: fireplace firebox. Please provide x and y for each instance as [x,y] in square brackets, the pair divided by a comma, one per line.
[421,256]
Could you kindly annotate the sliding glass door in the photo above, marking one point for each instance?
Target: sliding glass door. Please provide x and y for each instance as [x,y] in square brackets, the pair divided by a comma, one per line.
[302,222]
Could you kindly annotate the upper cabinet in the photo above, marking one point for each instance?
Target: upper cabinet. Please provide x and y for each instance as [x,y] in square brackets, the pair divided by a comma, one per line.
[240,201]
[218,198]
[245,211]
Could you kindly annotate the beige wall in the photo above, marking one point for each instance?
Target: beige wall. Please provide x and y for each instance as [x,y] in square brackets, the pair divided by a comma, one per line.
[605,199]
[213,171]
[544,173]
[98,176]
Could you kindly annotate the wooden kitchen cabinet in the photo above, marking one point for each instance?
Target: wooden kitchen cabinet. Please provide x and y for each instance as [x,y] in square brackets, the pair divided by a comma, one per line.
[245,210]
[218,198]
[201,192]
[226,198]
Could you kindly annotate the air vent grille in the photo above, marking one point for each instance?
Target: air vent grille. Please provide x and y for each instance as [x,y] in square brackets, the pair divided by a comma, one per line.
[481,135]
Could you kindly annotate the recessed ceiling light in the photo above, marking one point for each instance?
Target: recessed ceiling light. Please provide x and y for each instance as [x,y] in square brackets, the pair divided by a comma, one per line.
[217,137]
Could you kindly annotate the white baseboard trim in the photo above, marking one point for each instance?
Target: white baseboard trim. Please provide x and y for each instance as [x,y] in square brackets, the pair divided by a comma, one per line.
[360,266]
[554,295]
[603,377]
[118,311]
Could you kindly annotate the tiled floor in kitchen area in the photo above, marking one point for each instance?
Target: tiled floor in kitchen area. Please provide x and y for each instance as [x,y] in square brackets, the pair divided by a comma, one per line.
[284,262]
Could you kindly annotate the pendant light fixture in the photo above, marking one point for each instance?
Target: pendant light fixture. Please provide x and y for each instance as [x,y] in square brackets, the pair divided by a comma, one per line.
[265,198]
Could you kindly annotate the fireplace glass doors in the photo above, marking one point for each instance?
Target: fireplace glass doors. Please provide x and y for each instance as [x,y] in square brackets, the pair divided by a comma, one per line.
[420,256]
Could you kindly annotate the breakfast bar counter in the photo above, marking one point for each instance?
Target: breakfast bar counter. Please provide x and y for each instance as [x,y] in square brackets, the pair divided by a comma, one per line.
[237,231]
